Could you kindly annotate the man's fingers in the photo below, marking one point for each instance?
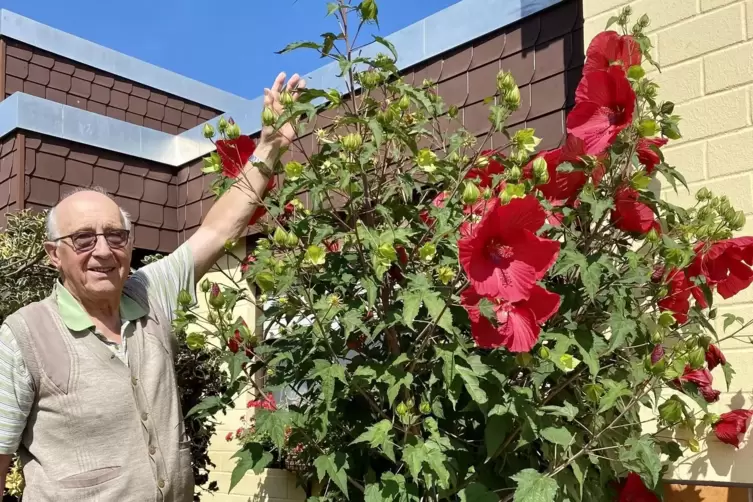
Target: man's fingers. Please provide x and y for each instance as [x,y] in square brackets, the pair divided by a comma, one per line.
[279,83]
[293,82]
[267,98]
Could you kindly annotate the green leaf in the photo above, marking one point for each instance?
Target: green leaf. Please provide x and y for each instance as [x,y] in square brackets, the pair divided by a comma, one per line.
[495,433]
[476,492]
[371,291]
[597,207]
[729,373]
[567,410]
[640,456]
[332,7]
[235,363]
[273,423]
[534,487]
[472,385]
[621,328]
[611,21]
[377,131]
[557,435]
[591,277]
[372,493]
[208,406]
[615,390]
[379,436]
[251,457]
[411,306]
[390,46]
[436,307]
[333,465]
[328,373]
[299,45]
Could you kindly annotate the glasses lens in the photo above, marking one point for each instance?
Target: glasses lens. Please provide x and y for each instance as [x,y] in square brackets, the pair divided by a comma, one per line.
[116,238]
[84,241]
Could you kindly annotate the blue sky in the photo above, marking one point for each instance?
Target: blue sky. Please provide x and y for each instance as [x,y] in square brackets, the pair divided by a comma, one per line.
[229,44]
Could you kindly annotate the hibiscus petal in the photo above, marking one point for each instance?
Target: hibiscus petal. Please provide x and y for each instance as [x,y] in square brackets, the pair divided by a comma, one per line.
[730,425]
[234,153]
[740,277]
[521,330]
[519,214]
[538,252]
[591,123]
[544,304]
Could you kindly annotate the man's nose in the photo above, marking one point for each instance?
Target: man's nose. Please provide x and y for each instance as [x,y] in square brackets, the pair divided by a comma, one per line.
[101,247]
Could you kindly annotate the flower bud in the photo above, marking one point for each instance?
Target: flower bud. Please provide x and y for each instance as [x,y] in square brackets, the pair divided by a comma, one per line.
[514,173]
[205,286]
[445,274]
[293,170]
[544,352]
[657,337]
[268,117]
[222,125]
[233,131]
[387,252]
[315,255]
[657,354]
[705,341]
[402,409]
[286,99]
[636,72]
[208,131]
[647,128]
[453,111]
[512,98]
[216,297]
[427,252]
[184,298]
[195,341]
[352,142]
[694,446]
[697,358]
[368,10]
[424,408]
[653,236]
[737,222]
[505,82]
[711,418]
[666,319]
[280,237]
[471,193]
[291,240]
[667,108]
[371,79]
[671,411]
[540,171]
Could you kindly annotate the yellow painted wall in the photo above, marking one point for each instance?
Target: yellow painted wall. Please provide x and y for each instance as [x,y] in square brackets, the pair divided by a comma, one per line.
[272,486]
[705,49]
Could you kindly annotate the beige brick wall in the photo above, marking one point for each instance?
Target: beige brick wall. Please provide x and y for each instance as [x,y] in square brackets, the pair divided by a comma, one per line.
[705,49]
[273,485]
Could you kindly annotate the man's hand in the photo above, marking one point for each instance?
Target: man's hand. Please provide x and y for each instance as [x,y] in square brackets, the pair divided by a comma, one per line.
[272,141]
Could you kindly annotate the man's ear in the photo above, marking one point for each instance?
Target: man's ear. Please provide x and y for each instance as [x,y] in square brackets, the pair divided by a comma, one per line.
[52,251]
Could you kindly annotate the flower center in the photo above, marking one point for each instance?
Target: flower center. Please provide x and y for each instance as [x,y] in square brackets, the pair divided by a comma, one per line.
[498,252]
[616,115]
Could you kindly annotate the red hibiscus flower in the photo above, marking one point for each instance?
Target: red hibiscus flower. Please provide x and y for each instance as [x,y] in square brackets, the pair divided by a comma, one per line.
[247,261]
[474,212]
[725,264]
[648,154]
[234,153]
[332,246]
[266,403]
[485,174]
[439,202]
[562,187]
[229,436]
[714,357]
[604,106]
[703,380]
[677,300]
[633,490]
[608,49]
[518,323]
[730,425]
[503,257]
[657,354]
[631,215]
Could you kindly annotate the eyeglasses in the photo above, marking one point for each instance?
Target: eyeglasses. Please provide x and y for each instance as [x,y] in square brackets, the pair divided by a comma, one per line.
[86,240]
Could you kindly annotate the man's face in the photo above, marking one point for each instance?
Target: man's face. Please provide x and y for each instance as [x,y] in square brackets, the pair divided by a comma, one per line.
[98,273]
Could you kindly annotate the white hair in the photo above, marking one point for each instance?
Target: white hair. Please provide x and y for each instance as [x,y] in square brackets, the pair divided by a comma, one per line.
[51,222]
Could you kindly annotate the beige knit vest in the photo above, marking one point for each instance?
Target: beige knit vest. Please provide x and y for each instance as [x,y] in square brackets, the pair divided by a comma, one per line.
[98,430]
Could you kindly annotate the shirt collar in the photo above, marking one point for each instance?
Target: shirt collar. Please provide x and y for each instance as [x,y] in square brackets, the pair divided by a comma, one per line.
[75,317]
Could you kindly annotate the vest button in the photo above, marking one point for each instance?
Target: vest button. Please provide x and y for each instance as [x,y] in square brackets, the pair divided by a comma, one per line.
[144,416]
[134,381]
[152,450]
[161,483]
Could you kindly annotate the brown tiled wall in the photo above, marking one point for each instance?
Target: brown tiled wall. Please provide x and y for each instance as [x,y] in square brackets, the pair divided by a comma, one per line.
[46,75]
[8,190]
[148,191]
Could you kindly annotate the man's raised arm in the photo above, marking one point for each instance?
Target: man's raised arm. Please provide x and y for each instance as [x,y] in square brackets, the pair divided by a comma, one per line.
[229,216]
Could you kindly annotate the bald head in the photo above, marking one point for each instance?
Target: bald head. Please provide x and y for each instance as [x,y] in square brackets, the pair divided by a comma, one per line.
[65,217]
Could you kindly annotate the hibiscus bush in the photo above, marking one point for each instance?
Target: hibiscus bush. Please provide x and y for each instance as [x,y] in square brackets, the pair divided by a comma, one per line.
[448,322]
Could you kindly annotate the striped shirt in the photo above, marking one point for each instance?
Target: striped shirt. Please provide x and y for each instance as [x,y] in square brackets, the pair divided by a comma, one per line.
[163,280]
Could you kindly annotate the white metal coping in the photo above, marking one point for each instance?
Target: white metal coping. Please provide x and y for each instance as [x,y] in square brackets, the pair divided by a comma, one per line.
[451,27]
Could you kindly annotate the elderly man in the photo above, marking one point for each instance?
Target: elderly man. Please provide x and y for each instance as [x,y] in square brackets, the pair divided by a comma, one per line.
[87,383]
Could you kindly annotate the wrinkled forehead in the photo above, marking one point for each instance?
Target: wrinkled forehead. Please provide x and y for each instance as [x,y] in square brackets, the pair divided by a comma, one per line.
[87,212]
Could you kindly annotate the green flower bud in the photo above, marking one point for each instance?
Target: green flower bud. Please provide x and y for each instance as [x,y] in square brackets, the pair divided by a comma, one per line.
[697,358]
[315,255]
[471,193]
[216,297]
[293,170]
[666,319]
[222,125]
[233,131]
[404,102]
[286,99]
[195,341]
[653,236]
[266,282]
[514,173]
[705,341]
[184,298]
[291,240]
[647,128]
[208,131]
[636,72]
[268,117]
[487,193]
[505,82]
[352,142]
[512,98]
[711,418]
[424,408]
[453,111]
[368,10]
[657,337]
[205,286]
[426,160]
[544,352]
[427,252]
[445,274]
[540,171]
[387,252]
[280,237]
[737,222]
[402,409]
[667,108]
